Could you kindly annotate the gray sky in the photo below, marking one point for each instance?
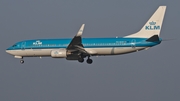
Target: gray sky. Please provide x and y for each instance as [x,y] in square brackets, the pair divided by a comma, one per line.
[151,75]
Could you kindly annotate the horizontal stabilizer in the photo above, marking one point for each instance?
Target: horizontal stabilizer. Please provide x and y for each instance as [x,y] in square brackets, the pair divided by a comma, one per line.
[154,38]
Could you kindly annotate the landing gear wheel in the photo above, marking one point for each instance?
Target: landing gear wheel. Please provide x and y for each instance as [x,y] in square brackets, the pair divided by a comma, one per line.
[81,60]
[89,61]
[22,61]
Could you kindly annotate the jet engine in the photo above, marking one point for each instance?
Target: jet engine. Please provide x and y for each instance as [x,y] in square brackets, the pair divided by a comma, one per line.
[59,53]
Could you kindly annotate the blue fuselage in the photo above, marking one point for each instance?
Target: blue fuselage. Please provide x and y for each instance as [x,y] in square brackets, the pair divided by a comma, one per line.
[87,43]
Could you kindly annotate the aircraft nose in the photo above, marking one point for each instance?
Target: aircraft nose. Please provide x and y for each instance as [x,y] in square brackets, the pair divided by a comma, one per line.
[11,52]
[8,51]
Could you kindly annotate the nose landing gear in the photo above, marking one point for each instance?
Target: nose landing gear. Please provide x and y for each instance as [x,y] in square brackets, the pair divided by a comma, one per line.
[21,61]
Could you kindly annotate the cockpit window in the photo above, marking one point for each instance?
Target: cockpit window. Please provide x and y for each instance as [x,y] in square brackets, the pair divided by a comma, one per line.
[14,45]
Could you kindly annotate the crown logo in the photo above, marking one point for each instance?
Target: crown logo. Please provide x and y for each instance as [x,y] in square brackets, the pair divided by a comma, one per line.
[152,23]
[37,43]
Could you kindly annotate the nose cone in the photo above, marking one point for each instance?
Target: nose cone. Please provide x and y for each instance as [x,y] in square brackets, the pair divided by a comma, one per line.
[9,50]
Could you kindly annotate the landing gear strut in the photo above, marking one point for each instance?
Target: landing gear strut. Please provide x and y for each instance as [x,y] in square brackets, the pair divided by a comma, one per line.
[21,61]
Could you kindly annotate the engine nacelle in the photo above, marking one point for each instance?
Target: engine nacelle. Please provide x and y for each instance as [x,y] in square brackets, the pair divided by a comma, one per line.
[59,53]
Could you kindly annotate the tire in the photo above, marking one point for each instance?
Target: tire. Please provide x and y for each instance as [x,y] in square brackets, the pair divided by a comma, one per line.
[89,61]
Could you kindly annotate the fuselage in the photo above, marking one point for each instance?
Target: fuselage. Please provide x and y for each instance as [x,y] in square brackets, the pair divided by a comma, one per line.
[96,46]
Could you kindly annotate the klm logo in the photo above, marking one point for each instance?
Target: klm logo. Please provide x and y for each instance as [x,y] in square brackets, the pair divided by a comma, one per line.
[37,43]
[152,26]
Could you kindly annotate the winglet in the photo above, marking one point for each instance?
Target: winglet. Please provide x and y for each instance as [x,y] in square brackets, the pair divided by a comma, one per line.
[80,30]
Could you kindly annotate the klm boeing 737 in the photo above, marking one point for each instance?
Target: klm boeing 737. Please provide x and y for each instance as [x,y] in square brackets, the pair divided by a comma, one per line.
[79,48]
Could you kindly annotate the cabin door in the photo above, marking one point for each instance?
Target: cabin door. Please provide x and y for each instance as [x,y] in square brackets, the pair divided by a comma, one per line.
[133,43]
[23,45]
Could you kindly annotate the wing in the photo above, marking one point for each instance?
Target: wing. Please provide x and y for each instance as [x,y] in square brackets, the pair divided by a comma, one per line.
[76,45]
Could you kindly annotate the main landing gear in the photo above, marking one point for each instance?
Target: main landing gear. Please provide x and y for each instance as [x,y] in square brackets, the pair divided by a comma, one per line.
[81,60]
[89,61]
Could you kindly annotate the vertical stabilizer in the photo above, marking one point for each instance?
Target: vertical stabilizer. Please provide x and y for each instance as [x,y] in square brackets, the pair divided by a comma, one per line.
[153,25]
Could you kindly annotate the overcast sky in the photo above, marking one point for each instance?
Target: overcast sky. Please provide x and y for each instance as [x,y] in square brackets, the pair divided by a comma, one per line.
[151,75]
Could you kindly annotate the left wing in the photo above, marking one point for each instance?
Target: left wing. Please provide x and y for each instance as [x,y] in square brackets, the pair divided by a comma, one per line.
[76,43]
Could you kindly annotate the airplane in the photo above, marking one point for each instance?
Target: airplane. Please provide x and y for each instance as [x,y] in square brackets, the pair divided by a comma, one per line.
[79,48]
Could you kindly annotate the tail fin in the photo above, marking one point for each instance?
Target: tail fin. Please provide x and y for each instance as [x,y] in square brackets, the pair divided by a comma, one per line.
[153,25]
